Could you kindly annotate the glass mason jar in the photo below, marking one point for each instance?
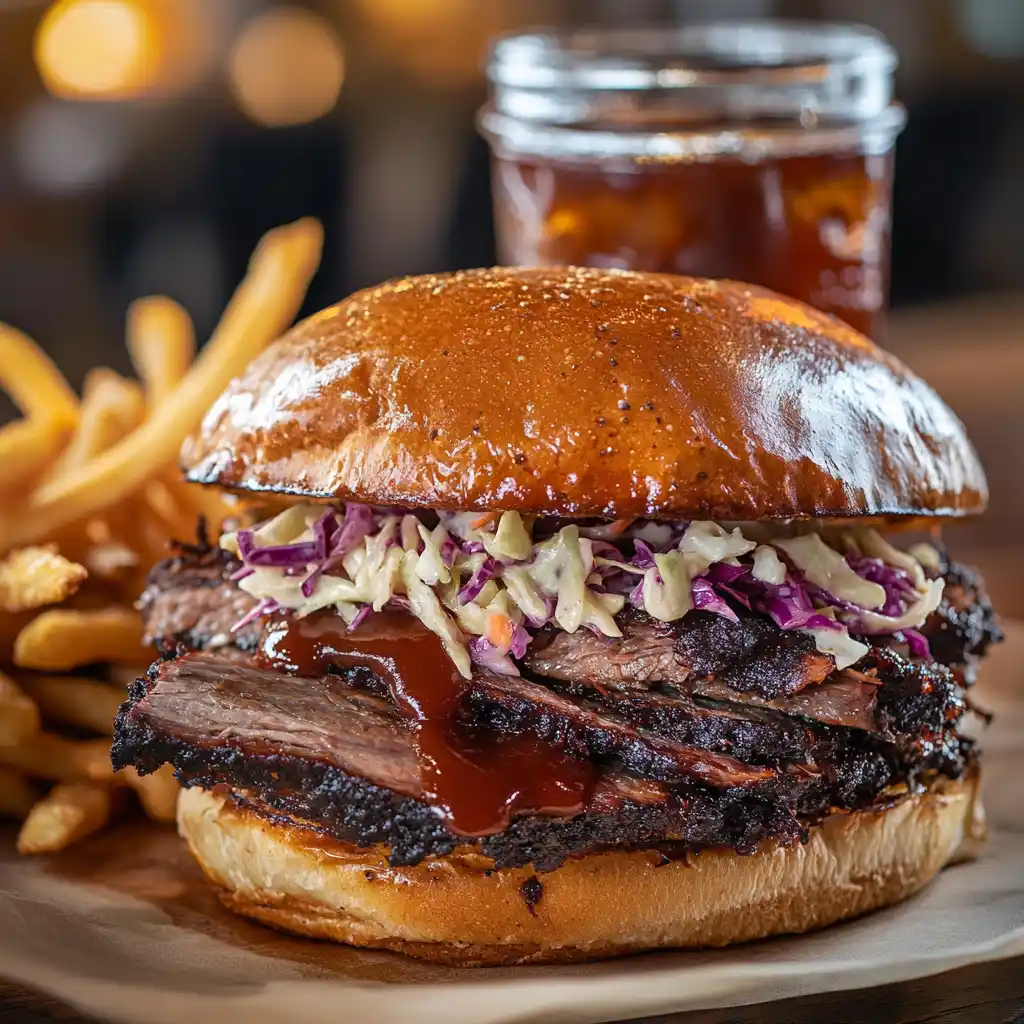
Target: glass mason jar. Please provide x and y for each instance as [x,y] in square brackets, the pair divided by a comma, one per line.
[757,151]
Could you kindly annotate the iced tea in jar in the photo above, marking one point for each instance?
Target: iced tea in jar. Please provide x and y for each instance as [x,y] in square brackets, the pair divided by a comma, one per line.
[756,151]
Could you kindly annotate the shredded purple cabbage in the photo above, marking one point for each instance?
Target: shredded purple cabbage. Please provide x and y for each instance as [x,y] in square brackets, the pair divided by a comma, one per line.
[488,567]
[323,535]
[358,523]
[897,583]
[449,549]
[323,530]
[520,641]
[643,557]
[485,654]
[788,604]
[706,598]
[916,641]
[275,556]
[361,616]
[723,572]
[267,606]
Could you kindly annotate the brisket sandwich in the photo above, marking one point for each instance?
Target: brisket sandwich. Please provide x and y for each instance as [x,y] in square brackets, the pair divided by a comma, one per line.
[592,612]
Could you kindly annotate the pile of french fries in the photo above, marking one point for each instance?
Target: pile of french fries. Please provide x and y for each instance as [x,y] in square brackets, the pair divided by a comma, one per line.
[90,500]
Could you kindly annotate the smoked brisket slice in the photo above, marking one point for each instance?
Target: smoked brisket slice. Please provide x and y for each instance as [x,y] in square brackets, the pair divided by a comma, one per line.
[335,752]
[209,700]
[749,656]
[190,600]
[674,653]
[961,630]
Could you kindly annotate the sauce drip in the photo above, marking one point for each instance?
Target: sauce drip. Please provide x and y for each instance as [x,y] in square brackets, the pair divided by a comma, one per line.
[476,780]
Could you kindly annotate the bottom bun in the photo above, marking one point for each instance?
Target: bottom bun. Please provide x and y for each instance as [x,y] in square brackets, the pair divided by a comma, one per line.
[457,910]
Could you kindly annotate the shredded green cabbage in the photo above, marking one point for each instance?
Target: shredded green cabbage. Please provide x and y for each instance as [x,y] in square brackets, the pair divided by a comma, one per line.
[667,587]
[768,567]
[827,568]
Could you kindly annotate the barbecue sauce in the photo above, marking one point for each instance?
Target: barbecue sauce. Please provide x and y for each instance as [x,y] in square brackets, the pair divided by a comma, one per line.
[477,781]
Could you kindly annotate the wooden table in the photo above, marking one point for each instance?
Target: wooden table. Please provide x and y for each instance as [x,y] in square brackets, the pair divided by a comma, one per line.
[985,994]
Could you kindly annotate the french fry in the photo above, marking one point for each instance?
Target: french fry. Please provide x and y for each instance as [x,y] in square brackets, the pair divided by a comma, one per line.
[110,560]
[122,676]
[158,793]
[72,700]
[89,500]
[93,762]
[263,305]
[49,756]
[62,638]
[38,576]
[17,794]
[26,446]
[131,525]
[175,521]
[112,407]
[10,627]
[69,812]
[19,716]
[29,376]
[199,501]
[162,344]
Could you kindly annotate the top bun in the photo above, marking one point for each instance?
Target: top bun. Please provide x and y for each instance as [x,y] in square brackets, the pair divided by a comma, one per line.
[588,392]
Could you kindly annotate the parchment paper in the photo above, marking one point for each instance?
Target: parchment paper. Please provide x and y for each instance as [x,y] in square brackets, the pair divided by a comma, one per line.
[124,928]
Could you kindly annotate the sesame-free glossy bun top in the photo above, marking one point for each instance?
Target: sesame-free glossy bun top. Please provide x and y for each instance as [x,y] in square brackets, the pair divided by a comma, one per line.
[589,392]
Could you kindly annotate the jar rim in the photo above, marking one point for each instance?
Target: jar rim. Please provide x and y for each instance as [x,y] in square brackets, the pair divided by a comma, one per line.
[683,57]
[719,70]
[511,137]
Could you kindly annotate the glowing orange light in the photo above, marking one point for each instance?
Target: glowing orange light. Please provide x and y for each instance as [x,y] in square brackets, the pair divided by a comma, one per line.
[441,42]
[98,49]
[287,67]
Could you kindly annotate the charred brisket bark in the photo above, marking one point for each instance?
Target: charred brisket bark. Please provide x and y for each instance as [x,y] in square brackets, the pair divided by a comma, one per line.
[331,752]
[706,733]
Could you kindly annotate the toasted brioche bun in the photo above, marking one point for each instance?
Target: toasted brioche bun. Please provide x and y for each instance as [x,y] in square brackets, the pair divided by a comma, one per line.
[456,910]
[589,392]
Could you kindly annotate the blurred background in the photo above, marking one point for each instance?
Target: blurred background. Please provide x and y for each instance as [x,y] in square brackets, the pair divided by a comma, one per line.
[146,144]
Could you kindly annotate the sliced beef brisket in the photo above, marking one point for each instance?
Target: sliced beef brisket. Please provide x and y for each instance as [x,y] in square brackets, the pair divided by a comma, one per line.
[703,732]
[663,654]
[749,656]
[964,626]
[209,700]
[331,751]
[191,600]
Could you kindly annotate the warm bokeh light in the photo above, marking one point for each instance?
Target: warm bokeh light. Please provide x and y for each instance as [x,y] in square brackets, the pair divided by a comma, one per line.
[98,49]
[287,67]
[441,42]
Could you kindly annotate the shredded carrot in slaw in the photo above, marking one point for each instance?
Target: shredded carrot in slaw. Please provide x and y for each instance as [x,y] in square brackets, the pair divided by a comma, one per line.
[485,520]
[500,630]
[620,526]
